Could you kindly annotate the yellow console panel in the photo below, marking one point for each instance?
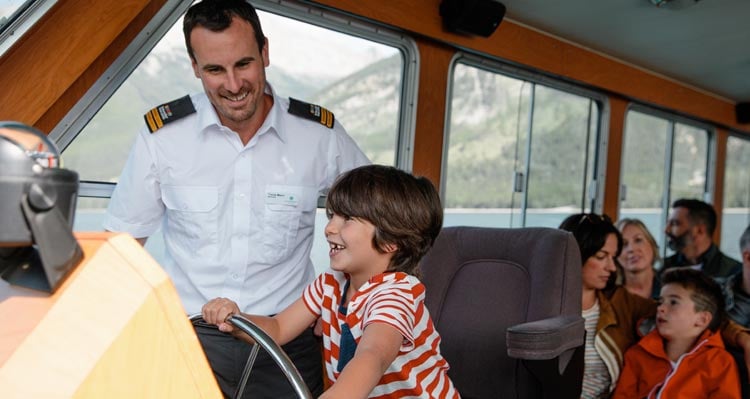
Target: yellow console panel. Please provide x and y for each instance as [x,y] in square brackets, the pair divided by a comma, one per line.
[114,329]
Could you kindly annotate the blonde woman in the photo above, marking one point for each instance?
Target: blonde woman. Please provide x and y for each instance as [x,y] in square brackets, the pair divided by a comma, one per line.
[640,252]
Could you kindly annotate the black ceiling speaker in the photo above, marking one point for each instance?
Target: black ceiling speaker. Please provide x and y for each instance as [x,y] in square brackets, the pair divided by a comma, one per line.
[743,112]
[476,17]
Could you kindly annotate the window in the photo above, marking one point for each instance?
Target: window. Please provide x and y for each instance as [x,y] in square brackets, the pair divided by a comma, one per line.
[10,11]
[365,75]
[736,211]
[518,153]
[663,160]
[17,16]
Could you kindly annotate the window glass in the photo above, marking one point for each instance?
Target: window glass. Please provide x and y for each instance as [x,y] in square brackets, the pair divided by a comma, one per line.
[736,210]
[89,215]
[518,153]
[484,127]
[10,9]
[663,160]
[689,162]
[559,162]
[359,80]
[643,181]
[17,16]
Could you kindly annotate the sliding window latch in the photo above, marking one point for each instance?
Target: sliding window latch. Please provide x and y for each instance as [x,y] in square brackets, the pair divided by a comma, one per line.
[518,182]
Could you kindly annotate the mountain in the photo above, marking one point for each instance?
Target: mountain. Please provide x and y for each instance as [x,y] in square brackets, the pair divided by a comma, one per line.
[365,102]
[488,127]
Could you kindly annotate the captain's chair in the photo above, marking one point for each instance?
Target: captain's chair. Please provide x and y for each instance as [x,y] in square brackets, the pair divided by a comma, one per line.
[501,295]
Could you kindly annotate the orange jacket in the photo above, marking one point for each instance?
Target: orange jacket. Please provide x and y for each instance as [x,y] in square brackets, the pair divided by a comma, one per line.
[707,371]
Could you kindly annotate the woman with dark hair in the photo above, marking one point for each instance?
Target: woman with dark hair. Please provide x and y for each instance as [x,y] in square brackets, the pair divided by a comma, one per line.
[614,317]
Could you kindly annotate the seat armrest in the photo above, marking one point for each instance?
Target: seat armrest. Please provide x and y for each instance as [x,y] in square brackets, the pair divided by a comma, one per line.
[545,339]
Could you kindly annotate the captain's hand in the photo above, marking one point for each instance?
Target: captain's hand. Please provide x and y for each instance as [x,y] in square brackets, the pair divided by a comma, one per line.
[218,310]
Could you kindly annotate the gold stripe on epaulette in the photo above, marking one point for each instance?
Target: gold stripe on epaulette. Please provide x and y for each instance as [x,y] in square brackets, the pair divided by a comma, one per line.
[157,118]
[151,123]
[325,117]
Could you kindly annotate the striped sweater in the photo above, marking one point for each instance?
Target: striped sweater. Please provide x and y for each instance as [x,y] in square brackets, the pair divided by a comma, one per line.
[397,299]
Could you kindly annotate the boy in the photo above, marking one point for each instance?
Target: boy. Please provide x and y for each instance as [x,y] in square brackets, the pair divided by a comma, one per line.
[685,356]
[378,338]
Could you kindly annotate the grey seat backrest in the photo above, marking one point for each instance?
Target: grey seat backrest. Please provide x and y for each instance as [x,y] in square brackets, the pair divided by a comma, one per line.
[481,281]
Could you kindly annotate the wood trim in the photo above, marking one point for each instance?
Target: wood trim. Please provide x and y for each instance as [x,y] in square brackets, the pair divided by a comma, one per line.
[55,53]
[717,201]
[434,65]
[523,45]
[80,86]
[617,109]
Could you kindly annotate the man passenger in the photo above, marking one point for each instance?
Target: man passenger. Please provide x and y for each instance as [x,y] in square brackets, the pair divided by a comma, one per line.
[689,233]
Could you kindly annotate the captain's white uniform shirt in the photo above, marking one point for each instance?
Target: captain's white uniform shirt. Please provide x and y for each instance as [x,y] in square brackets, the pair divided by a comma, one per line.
[237,220]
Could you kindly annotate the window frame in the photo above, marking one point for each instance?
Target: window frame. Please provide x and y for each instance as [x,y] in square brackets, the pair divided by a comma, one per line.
[672,119]
[595,195]
[23,19]
[100,92]
[725,245]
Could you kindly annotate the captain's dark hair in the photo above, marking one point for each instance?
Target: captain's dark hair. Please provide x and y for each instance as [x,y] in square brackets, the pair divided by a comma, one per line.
[704,291]
[405,210]
[698,212]
[216,15]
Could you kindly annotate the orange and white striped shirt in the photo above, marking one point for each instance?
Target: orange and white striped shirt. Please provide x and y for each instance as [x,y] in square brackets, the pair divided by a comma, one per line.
[394,298]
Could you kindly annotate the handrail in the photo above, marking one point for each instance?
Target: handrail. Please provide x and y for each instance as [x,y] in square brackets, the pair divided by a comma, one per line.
[273,349]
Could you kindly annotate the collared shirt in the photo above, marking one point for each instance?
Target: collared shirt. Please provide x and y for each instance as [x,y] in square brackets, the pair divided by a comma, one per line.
[712,262]
[237,220]
[393,298]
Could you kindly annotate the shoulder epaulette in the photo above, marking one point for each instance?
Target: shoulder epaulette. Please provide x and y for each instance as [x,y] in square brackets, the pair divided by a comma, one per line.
[168,112]
[311,111]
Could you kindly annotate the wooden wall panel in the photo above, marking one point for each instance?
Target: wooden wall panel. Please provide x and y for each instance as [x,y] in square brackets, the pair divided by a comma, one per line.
[718,200]
[520,44]
[39,69]
[434,62]
[617,109]
[78,87]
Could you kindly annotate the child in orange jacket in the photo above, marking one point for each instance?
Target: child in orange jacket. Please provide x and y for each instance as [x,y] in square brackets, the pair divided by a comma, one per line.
[685,356]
